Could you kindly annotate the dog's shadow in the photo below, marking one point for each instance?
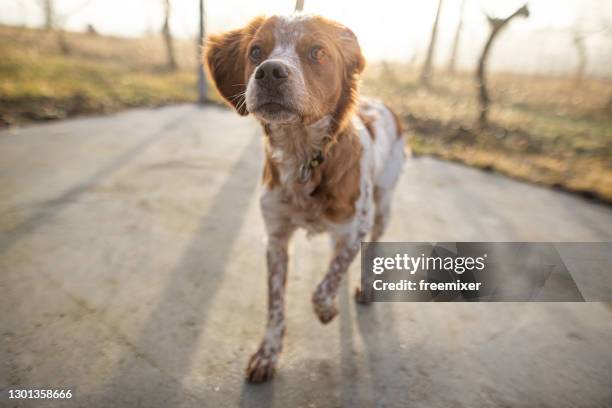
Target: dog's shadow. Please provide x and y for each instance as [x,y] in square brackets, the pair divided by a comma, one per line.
[257,395]
[371,354]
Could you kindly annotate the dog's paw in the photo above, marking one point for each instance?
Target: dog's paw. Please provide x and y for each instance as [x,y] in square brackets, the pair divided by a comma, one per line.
[325,309]
[363,297]
[261,367]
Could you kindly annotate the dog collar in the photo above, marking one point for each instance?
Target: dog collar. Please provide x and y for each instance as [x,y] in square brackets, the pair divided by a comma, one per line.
[311,163]
[316,160]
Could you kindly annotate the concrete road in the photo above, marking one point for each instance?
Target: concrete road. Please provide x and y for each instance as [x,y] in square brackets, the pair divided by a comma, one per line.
[132,271]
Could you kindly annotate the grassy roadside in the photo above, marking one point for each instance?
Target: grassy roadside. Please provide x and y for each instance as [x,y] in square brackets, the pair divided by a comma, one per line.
[99,75]
[53,87]
[549,131]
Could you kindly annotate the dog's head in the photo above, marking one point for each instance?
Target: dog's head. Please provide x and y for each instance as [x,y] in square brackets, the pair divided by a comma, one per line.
[287,69]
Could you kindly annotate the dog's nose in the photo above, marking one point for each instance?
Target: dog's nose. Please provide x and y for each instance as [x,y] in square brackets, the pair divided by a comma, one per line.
[272,73]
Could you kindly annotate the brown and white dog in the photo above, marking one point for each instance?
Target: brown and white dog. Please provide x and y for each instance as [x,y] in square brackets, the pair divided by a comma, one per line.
[331,160]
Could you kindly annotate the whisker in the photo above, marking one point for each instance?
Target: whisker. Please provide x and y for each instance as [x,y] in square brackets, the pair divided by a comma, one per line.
[241,104]
[239,94]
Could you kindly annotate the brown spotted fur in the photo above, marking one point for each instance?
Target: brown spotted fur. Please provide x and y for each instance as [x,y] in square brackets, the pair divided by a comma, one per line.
[331,189]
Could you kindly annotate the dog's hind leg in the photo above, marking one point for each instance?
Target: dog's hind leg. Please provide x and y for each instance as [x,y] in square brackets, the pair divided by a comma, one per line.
[382,200]
[383,194]
[382,213]
[384,187]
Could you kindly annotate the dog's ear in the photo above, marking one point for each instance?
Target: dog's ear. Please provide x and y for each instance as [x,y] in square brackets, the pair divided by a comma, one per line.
[351,52]
[225,60]
[353,65]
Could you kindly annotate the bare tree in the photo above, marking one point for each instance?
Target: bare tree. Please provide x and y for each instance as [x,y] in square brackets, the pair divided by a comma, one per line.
[171,57]
[578,38]
[426,72]
[496,25]
[62,42]
[57,21]
[608,106]
[455,50]
[48,13]
[581,32]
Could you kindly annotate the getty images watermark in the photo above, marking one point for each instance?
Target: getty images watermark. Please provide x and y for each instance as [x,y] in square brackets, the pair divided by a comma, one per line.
[478,271]
[412,264]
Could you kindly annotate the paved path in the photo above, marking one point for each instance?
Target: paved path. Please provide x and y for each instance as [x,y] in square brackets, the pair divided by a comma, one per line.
[132,270]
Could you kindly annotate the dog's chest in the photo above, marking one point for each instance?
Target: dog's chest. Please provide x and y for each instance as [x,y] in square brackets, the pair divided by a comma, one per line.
[304,210]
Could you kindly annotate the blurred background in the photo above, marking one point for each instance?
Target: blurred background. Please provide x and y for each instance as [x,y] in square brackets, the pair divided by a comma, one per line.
[132,249]
[525,90]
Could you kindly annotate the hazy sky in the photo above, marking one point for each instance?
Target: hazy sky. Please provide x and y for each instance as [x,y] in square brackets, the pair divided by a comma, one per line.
[389,29]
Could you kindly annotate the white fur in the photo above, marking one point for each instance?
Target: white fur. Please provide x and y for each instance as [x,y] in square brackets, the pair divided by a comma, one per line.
[293,143]
[288,32]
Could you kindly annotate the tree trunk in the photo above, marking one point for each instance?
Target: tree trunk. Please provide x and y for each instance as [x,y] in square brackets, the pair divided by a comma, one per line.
[608,106]
[483,93]
[62,42]
[582,57]
[171,59]
[455,50]
[426,72]
[496,26]
[299,5]
[49,14]
[202,88]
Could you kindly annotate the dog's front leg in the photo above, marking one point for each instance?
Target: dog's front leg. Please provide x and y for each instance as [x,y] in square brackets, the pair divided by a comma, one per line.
[323,299]
[262,364]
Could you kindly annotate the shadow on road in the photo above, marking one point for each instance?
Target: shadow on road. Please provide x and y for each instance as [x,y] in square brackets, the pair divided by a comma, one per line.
[167,341]
[372,376]
[386,355]
[351,394]
[257,395]
[57,205]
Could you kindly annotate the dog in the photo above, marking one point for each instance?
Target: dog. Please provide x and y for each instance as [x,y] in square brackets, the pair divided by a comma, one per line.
[332,160]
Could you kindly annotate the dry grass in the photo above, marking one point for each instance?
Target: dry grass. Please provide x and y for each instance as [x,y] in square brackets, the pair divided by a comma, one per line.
[545,130]
[100,74]
[549,131]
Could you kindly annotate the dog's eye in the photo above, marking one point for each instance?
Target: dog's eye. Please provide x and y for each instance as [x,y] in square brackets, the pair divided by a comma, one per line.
[317,54]
[255,53]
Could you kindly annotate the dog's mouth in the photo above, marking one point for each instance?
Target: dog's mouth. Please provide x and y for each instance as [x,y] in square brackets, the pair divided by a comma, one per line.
[273,108]
[274,112]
